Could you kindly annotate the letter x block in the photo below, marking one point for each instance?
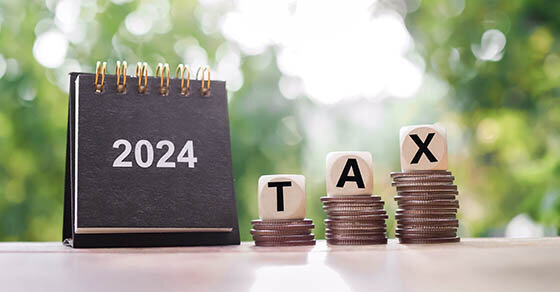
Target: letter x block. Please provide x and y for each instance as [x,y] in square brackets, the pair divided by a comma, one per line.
[423,147]
[282,196]
[349,173]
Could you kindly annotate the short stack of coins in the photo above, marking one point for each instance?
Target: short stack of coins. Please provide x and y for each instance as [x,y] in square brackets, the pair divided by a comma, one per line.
[427,206]
[355,220]
[288,232]
[282,203]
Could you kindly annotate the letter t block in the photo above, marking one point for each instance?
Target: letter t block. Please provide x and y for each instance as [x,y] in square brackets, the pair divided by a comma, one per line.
[282,196]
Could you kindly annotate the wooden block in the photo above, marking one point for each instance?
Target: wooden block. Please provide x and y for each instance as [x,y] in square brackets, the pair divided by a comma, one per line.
[349,173]
[282,196]
[423,147]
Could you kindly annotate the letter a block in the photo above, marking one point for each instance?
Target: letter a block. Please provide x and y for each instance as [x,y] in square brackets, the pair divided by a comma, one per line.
[349,173]
[423,147]
[282,196]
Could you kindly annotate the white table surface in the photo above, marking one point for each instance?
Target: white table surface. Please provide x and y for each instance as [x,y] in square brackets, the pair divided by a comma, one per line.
[472,265]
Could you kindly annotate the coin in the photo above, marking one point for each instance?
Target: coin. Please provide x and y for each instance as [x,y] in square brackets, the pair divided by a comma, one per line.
[429,197]
[283,237]
[424,188]
[353,229]
[283,227]
[356,225]
[405,216]
[359,211]
[427,193]
[412,224]
[425,178]
[431,229]
[348,211]
[374,200]
[371,205]
[359,217]
[425,228]
[420,173]
[346,199]
[426,216]
[351,197]
[413,210]
[423,205]
[434,232]
[330,230]
[426,209]
[421,184]
[285,243]
[369,235]
[355,212]
[434,202]
[281,221]
[356,242]
[350,228]
[355,237]
[416,182]
[348,231]
[427,235]
[430,234]
[280,232]
[356,221]
[371,229]
[422,220]
[428,240]
[351,209]
[402,223]
[378,204]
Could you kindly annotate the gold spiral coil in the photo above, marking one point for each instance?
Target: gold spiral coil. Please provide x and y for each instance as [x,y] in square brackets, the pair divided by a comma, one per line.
[142,71]
[160,69]
[204,86]
[100,69]
[182,69]
[120,70]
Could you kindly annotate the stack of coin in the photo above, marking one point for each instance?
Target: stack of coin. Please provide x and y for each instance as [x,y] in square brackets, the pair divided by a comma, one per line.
[283,232]
[355,220]
[427,206]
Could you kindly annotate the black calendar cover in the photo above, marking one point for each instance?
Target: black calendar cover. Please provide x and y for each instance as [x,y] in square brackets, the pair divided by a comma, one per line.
[146,169]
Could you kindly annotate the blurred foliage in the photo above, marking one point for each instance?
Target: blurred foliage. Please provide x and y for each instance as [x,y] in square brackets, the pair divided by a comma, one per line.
[503,116]
[509,109]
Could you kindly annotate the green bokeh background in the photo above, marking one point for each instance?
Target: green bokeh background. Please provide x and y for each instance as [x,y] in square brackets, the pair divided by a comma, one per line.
[503,117]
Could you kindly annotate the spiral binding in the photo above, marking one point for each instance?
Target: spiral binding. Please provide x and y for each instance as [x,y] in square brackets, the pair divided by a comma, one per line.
[121,70]
[100,69]
[204,90]
[182,69]
[162,71]
[142,71]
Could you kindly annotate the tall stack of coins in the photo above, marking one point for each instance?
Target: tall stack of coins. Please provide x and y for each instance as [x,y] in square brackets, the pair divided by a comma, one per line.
[427,206]
[354,215]
[283,232]
[355,220]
